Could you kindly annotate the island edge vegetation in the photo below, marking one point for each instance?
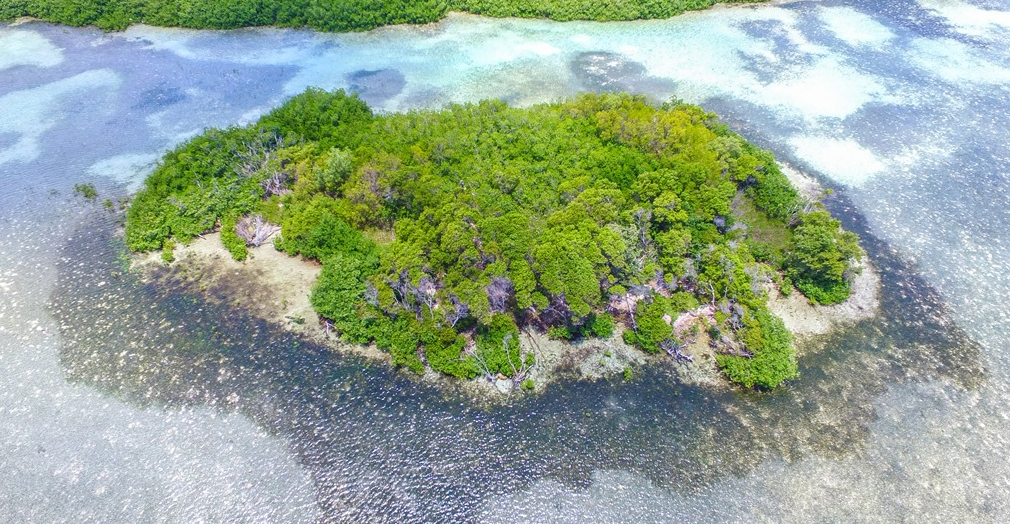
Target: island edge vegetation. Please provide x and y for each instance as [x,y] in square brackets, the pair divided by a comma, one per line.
[443,233]
[330,15]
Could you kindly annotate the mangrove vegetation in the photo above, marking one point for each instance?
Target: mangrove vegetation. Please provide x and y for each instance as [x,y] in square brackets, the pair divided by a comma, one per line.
[444,234]
[328,15]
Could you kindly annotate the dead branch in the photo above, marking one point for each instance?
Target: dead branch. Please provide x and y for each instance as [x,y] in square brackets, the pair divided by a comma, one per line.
[255,230]
[499,294]
[674,349]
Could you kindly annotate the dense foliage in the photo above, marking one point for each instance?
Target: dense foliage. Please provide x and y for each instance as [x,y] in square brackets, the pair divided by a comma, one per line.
[584,9]
[327,15]
[820,256]
[444,234]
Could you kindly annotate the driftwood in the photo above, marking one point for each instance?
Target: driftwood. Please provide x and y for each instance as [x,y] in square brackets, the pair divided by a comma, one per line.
[255,230]
[673,348]
[728,347]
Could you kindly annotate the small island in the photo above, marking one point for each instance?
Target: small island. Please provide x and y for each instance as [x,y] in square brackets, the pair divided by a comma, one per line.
[445,235]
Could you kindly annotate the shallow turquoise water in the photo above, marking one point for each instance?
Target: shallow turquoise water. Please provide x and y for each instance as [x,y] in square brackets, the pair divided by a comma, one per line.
[125,403]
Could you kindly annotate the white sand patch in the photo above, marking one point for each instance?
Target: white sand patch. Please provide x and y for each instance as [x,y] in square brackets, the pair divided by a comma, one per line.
[21,47]
[806,185]
[507,47]
[969,19]
[254,114]
[829,88]
[954,61]
[186,43]
[843,160]
[804,319]
[269,284]
[812,84]
[853,27]
[33,112]
[130,168]
[538,48]
[163,124]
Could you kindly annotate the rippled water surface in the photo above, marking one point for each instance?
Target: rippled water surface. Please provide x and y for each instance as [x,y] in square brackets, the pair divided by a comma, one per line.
[126,402]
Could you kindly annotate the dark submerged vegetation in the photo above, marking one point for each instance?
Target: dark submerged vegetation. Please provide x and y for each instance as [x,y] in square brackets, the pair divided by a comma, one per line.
[328,15]
[87,191]
[444,235]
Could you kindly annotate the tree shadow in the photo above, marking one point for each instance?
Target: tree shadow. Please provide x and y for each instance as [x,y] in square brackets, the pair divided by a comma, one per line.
[384,447]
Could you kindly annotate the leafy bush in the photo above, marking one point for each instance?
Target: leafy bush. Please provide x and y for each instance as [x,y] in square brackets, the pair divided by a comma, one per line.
[602,325]
[235,245]
[335,171]
[820,256]
[315,230]
[652,328]
[168,252]
[338,293]
[774,359]
[333,119]
[498,347]
[443,348]
[559,333]
[399,337]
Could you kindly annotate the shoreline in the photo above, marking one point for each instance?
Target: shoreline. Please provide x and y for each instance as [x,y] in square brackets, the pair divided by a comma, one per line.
[275,287]
[719,4]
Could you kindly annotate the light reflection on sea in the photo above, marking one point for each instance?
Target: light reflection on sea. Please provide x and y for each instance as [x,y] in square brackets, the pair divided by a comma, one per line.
[125,402]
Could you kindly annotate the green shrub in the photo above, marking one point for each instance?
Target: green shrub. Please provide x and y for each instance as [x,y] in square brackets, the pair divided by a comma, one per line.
[399,338]
[498,346]
[315,230]
[786,286]
[335,171]
[443,349]
[559,333]
[820,256]
[235,245]
[774,359]
[331,118]
[168,252]
[602,325]
[683,301]
[652,328]
[338,292]
[824,292]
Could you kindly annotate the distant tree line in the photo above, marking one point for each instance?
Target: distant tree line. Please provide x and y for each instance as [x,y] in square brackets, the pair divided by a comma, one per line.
[327,15]
[445,233]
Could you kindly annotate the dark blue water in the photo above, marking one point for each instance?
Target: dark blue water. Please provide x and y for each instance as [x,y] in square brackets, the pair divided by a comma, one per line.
[125,401]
